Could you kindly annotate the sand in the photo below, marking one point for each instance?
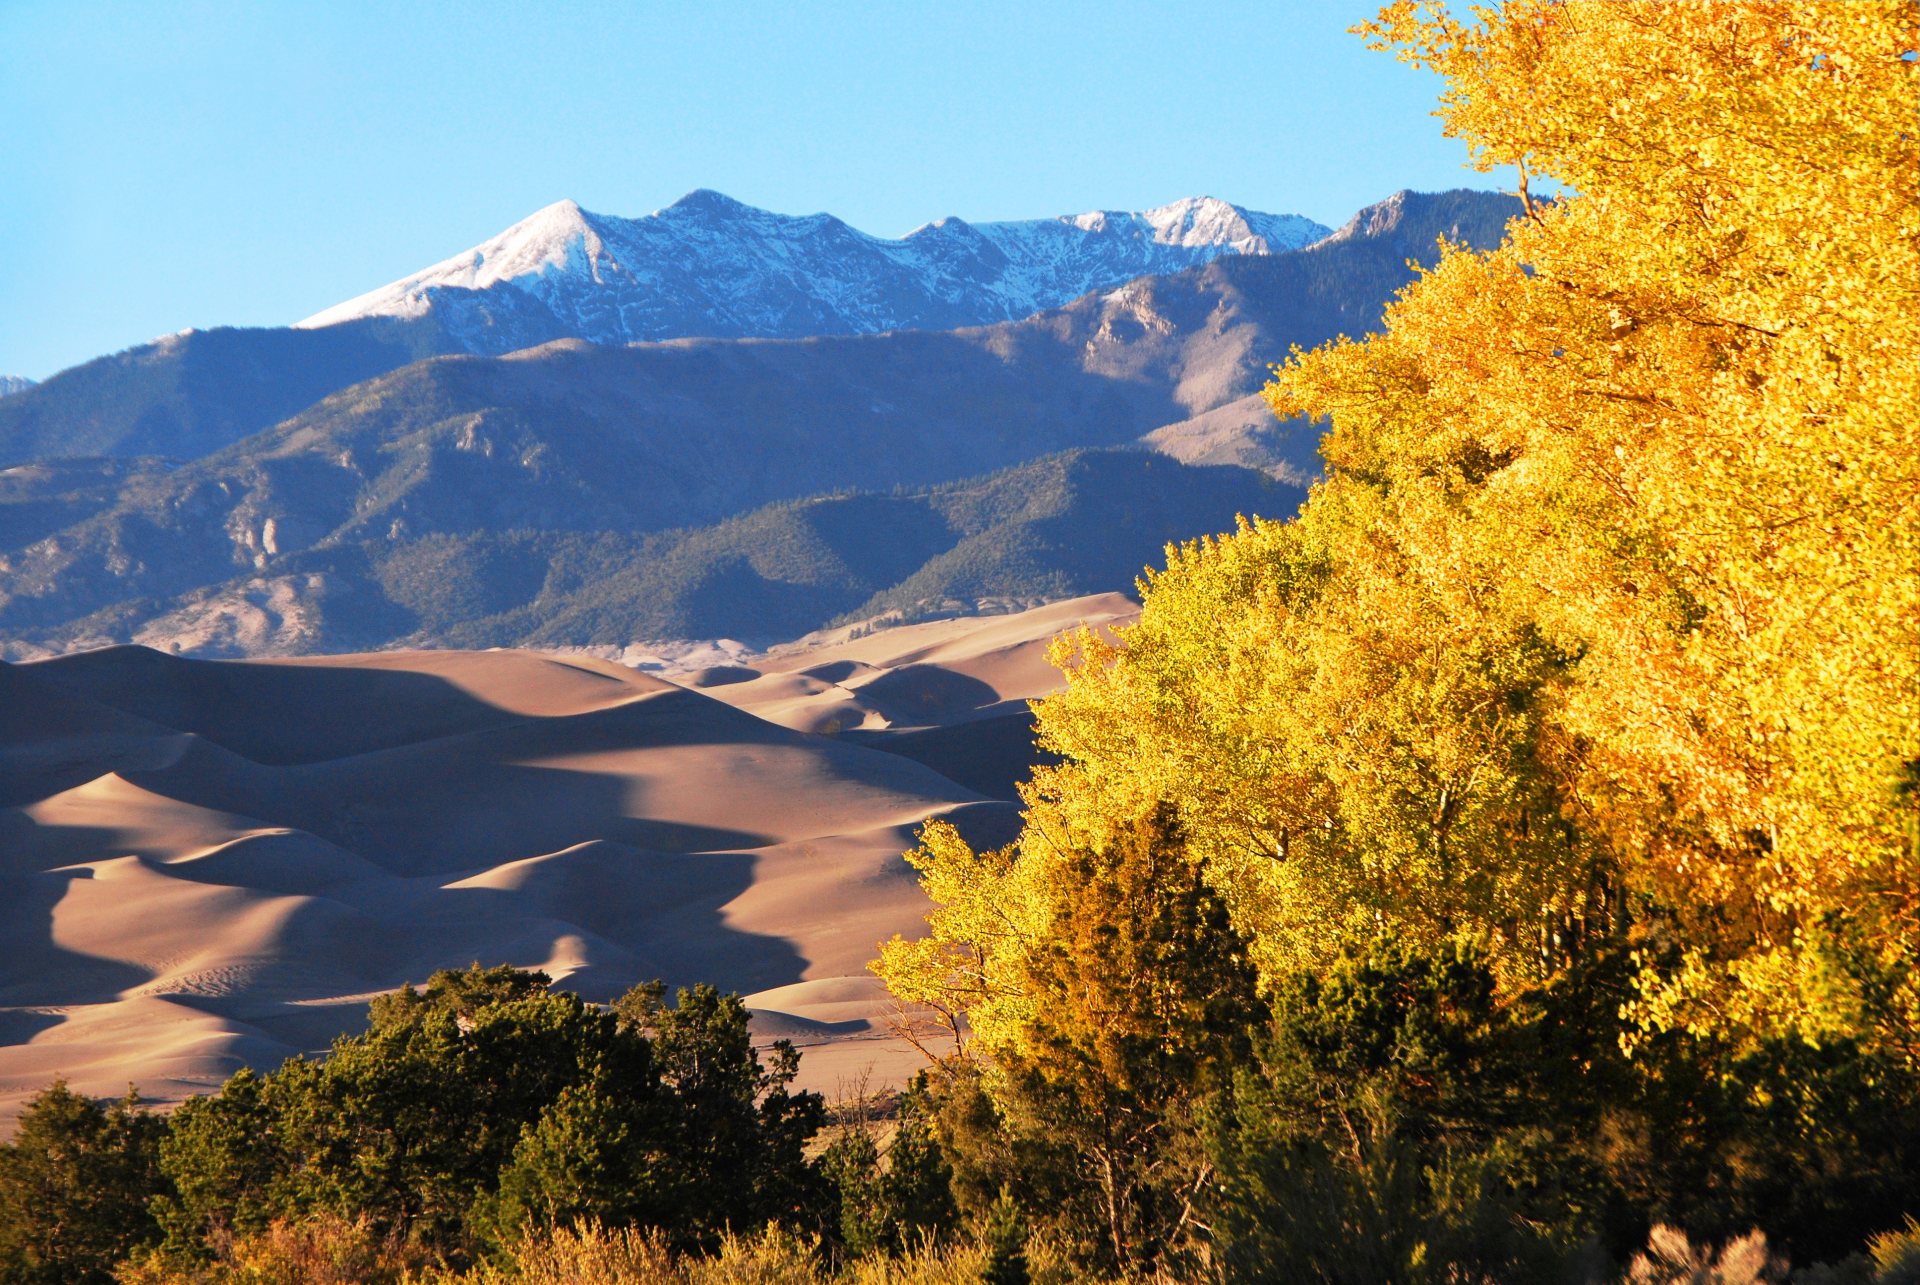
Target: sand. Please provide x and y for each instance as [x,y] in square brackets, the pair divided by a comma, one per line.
[215,864]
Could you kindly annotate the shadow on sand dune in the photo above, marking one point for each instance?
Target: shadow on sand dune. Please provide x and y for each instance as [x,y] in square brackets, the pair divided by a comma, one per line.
[990,755]
[35,969]
[919,695]
[277,714]
[273,843]
[382,823]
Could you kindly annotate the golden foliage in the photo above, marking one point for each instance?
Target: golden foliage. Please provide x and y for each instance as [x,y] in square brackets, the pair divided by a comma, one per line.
[334,1251]
[983,921]
[325,1249]
[596,1255]
[1609,605]
[1673,425]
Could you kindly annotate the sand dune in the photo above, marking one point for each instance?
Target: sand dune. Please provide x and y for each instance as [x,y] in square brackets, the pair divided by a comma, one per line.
[927,675]
[215,864]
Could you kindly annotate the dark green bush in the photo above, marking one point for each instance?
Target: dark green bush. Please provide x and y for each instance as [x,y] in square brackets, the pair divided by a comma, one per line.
[74,1186]
[484,1106]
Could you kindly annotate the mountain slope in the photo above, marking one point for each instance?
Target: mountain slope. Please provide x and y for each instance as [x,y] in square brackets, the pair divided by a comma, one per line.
[192,393]
[1072,524]
[1079,523]
[710,266]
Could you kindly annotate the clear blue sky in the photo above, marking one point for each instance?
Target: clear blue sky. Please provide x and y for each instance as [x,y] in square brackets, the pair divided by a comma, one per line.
[210,162]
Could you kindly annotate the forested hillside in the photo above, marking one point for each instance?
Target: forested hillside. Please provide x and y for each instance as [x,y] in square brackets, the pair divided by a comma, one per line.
[1058,527]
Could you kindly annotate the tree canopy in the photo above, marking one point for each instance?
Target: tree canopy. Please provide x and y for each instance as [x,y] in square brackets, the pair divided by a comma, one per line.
[1607,611]
[483,1107]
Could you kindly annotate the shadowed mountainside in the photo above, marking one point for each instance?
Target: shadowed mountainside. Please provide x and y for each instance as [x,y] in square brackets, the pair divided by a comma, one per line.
[192,393]
[1072,524]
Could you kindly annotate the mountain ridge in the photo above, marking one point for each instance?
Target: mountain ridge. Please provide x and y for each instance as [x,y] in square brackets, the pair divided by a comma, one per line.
[189,394]
[709,265]
[575,437]
[1083,521]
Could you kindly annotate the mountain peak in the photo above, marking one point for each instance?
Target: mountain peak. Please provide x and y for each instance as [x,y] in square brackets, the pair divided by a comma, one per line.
[555,224]
[1204,225]
[1199,220]
[704,200]
[1417,218]
[947,226]
[564,210]
[551,239]
[1378,219]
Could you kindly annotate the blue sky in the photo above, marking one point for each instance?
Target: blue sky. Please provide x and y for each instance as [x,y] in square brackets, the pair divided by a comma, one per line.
[205,162]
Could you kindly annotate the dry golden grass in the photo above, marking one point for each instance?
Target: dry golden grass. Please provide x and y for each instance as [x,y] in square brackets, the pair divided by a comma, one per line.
[335,1251]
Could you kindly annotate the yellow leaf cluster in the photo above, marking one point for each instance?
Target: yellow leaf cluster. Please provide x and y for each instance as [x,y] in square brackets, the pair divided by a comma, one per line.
[986,921]
[1700,379]
[1608,609]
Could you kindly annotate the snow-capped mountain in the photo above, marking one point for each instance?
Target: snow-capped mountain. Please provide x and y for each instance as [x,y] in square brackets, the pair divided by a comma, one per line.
[709,265]
[337,488]
[11,384]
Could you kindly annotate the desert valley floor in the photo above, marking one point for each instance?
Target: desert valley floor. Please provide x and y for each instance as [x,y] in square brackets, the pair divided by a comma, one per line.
[216,863]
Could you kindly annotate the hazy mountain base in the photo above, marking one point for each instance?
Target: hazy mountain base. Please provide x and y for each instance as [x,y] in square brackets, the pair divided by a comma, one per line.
[1078,523]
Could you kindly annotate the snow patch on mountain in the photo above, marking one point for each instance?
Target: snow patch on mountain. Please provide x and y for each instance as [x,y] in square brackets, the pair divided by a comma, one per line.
[11,384]
[710,265]
[555,239]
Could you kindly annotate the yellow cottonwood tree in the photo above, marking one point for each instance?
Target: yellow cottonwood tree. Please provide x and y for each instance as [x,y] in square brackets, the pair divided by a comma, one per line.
[1608,608]
[1700,382]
